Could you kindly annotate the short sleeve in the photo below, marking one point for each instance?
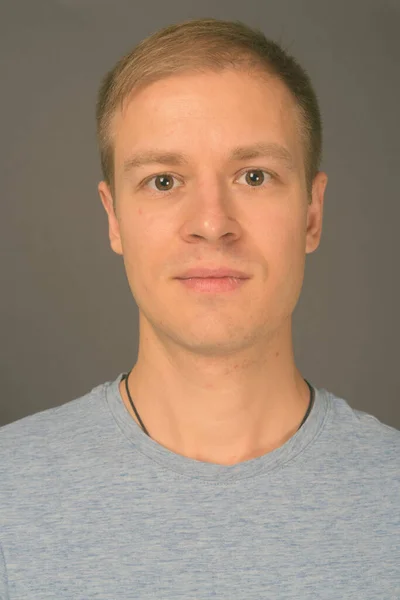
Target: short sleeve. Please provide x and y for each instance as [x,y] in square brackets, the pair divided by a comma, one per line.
[3,577]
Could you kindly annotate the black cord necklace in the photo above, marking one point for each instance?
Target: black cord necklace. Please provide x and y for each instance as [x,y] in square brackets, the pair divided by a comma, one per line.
[126,375]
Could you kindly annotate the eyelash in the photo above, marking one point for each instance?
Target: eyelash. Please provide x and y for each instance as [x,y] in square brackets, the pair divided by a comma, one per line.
[166,192]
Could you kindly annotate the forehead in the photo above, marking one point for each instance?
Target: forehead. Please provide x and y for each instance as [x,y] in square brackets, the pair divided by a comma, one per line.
[207,112]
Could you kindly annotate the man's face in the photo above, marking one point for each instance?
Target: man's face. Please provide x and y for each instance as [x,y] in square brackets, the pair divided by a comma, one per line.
[213,210]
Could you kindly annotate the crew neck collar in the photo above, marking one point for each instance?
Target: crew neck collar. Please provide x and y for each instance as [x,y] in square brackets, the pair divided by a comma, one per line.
[193,468]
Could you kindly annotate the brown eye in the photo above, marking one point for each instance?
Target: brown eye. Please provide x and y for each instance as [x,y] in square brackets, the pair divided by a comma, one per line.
[255,177]
[163,182]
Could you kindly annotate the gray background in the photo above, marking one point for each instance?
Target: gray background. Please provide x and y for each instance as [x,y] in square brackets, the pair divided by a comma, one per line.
[68,319]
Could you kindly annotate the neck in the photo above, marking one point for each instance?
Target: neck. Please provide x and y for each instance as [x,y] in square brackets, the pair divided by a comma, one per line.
[218,410]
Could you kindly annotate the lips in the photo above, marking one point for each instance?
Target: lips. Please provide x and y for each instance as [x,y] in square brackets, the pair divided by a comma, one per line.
[206,273]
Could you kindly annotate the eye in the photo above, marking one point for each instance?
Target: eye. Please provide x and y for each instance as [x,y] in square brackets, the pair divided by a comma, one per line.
[162,182]
[255,177]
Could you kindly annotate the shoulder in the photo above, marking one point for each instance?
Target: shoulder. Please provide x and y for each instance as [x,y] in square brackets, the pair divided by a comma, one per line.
[362,438]
[31,446]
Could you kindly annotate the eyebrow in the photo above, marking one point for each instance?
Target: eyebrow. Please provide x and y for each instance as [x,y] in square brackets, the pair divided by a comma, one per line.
[260,149]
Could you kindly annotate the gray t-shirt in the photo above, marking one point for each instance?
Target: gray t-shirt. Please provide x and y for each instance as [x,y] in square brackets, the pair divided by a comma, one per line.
[93,508]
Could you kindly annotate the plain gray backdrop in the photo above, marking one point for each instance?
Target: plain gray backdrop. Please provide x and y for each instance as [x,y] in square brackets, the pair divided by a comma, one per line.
[68,319]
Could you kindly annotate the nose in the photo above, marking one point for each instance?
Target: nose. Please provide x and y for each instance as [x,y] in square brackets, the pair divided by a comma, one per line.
[210,214]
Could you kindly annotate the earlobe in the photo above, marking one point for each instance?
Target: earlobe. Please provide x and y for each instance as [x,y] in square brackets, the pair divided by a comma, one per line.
[113,225]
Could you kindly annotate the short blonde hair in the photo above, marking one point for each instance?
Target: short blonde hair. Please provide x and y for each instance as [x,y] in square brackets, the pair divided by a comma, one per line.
[199,45]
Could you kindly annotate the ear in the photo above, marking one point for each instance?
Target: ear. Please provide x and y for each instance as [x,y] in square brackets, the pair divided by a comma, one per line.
[315,212]
[113,225]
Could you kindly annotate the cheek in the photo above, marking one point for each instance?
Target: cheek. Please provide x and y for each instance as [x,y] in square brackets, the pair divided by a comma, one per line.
[145,240]
[281,234]
[282,244]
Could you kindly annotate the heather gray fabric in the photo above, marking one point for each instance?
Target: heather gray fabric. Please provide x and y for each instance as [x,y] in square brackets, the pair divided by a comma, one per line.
[91,507]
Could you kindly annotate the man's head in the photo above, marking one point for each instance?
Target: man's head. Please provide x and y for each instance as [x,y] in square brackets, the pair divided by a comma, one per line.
[207,45]
[211,160]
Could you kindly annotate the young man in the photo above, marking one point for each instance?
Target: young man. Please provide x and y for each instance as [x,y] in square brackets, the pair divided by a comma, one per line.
[212,469]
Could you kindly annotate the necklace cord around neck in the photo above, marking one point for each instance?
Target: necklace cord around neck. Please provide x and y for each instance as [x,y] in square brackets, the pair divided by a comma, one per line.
[126,375]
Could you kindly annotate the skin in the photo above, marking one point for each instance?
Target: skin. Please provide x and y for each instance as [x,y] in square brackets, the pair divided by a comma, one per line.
[215,379]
